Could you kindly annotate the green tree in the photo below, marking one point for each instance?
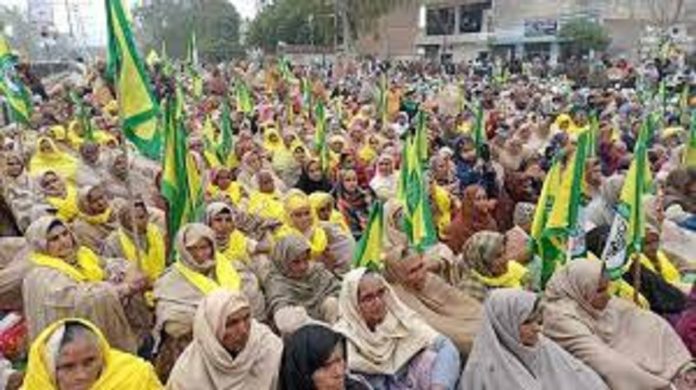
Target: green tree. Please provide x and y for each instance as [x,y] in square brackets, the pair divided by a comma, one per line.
[584,35]
[170,22]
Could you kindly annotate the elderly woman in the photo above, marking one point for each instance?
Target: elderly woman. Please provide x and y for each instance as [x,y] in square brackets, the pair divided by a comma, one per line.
[264,200]
[81,284]
[486,266]
[230,350]
[448,310]
[299,291]
[510,352]
[17,189]
[630,348]
[200,269]
[315,357]
[601,209]
[74,354]
[475,215]
[95,219]
[388,344]
[300,219]
[137,240]
[385,181]
[49,158]
[59,195]
[223,187]
[244,253]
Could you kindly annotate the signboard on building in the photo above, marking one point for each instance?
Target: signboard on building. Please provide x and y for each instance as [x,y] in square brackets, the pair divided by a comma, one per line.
[540,27]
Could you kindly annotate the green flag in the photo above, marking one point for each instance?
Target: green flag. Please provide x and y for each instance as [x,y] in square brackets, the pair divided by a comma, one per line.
[16,94]
[226,145]
[418,221]
[690,152]
[138,109]
[368,252]
[479,130]
[244,100]
[82,117]
[422,135]
[543,247]
[192,49]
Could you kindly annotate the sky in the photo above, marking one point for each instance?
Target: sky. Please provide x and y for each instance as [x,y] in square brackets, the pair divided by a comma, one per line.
[92,18]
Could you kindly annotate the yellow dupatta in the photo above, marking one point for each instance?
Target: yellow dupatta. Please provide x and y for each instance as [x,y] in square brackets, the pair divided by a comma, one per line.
[269,145]
[227,277]
[266,205]
[667,270]
[317,240]
[321,199]
[88,268]
[67,208]
[622,289]
[153,262]
[513,278]
[98,219]
[444,208]
[62,163]
[121,371]
[234,192]
[237,247]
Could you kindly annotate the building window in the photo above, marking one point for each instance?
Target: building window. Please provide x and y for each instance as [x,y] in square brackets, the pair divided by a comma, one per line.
[471,17]
[440,21]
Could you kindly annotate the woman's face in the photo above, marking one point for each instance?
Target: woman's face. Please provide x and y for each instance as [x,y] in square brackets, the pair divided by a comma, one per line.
[201,251]
[254,162]
[371,304]
[297,267]
[222,224]
[45,146]
[314,171]
[481,201]
[237,329]
[224,179]
[266,184]
[52,184]
[336,147]
[530,329]
[331,375]
[415,272]
[385,167]
[120,167]
[599,298]
[594,174]
[299,154]
[59,242]
[98,201]
[350,181]
[302,218]
[499,263]
[79,365]
[324,212]
[13,167]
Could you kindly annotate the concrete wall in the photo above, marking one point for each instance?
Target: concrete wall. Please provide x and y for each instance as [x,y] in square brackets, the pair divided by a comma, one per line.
[394,35]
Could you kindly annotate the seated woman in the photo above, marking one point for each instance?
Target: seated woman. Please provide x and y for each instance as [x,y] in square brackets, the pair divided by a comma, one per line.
[17,189]
[137,240]
[73,354]
[224,188]
[510,353]
[81,284]
[313,179]
[95,219]
[301,220]
[485,266]
[476,214]
[630,348]
[314,357]
[297,290]
[388,344]
[352,201]
[199,271]
[242,252]
[230,350]
[59,195]
[385,181]
[323,206]
[48,157]
[265,201]
[444,307]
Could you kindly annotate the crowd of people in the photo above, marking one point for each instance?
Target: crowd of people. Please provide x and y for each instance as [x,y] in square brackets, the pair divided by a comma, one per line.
[262,291]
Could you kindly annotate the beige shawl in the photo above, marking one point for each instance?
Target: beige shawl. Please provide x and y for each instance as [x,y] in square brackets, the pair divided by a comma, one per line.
[45,303]
[91,235]
[444,307]
[631,348]
[176,298]
[205,364]
[400,337]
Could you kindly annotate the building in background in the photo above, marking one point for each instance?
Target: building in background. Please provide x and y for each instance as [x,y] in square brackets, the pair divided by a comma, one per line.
[459,30]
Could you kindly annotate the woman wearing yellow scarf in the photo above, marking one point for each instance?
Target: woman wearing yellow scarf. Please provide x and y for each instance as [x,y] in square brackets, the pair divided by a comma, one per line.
[49,158]
[272,142]
[265,201]
[323,207]
[62,197]
[224,188]
[79,284]
[301,219]
[96,219]
[73,354]
[137,240]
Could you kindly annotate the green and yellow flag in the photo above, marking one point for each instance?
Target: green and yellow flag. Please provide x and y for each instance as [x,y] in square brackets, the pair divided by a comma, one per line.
[382,91]
[192,49]
[16,94]
[138,109]
[244,100]
[479,129]
[368,252]
[690,151]
[422,136]
[628,228]
[226,145]
[543,247]
[418,219]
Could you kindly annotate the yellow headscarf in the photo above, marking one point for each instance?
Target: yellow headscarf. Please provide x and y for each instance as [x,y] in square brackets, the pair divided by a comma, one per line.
[87,269]
[319,200]
[121,370]
[233,192]
[513,278]
[66,208]
[316,236]
[153,261]
[444,207]
[270,145]
[266,205]
[62,163]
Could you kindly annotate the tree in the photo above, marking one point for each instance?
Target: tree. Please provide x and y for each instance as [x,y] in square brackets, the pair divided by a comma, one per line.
[584,35]
[297,22]
[171,22]
[28,41]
